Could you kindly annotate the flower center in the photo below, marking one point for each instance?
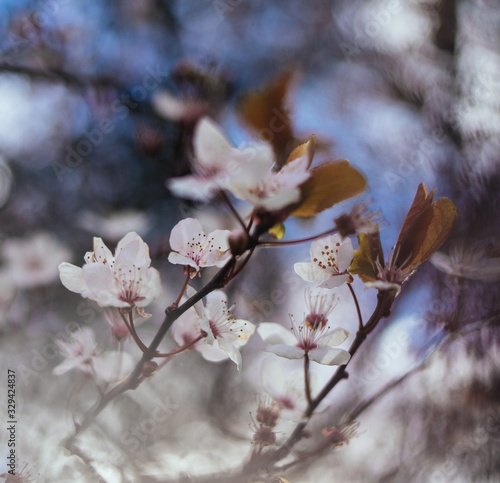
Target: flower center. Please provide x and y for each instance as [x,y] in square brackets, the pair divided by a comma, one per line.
[129,284]
[214,328]
[316,321]
[328,260]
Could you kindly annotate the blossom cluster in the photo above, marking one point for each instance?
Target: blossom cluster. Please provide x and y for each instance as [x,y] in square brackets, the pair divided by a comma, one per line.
[125,283]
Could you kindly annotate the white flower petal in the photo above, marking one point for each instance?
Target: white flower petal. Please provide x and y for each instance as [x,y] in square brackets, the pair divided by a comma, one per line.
[101,251]
[345,253]
[219,248]
[101,286]
[310,272]
[333,338]
[216,302]
[187,327]
[194,187]
[382,285]
[65,366]
[199,307]
[275,334]
[178,259]
[231,350]
[330,357]
[287,351]
[279,200]
[212,353]
[240,332]
[131,250]
[187,231]
[335,281]
[211,147]
[150,288]
[72,278]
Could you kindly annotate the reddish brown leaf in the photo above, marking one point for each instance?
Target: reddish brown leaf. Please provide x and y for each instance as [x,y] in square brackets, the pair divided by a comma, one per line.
[265,111]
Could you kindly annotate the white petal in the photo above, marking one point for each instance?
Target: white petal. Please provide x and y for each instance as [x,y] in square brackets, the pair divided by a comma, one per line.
[219,249]
[150,287]
[279,200]
[186,232]
[212,353]
[101,251]
[65,366]
[72,277]
[335,281]
[442,262]
[240,332]
[333,338]
[381,285]
[318,246]
[193,188]
[232,351]
[199,307]
[310,272]
[131,250]
[187,327]
[178,259]
[286,351]
[345,254]
[273,333]
[211,147]
[330,357]
[216,302]
[101,286]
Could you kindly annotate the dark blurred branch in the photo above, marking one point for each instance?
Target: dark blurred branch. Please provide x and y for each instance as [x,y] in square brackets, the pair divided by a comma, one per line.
[61,76]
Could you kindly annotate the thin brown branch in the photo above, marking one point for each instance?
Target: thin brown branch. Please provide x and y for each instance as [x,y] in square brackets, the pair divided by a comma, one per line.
[307,382]
[230,205]
[280,243]
[131,327]
[179,349]
[183,289]
[358,310]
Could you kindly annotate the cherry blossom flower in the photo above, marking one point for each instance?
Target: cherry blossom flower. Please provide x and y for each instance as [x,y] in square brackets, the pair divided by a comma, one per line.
[187,328]
[81,353]
[77,352]
[124,280]
[194,249]
[221,327]
[119,329]
[390,275]
[331,257]
[314,337]
[267,189]
[215,159]
[286,387]
[360,219]
[31,262]
[467,262]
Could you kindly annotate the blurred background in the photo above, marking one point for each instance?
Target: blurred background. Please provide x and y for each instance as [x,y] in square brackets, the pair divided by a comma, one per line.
[98,101]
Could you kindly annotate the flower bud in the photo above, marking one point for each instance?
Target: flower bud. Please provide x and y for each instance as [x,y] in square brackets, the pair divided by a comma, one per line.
[268,415]
[149,368]
[264,436]
[238,241]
